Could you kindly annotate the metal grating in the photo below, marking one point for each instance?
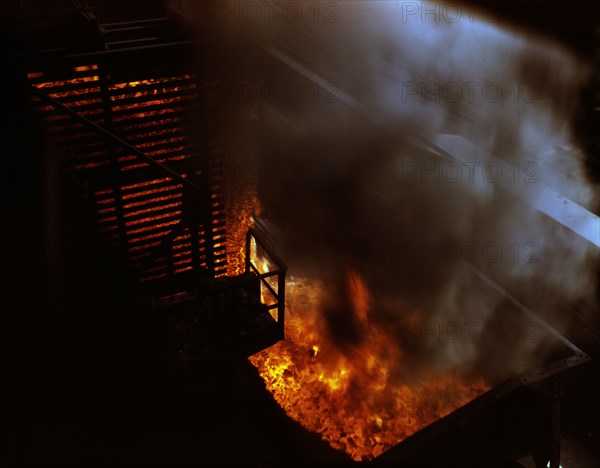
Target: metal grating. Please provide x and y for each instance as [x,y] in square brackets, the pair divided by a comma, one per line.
[140,211]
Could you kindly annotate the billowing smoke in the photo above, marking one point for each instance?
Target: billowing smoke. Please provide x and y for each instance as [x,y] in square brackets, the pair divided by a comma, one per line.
[438,143]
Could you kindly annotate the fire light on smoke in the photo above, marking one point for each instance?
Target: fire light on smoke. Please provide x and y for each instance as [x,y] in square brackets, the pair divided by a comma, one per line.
[391,77]
[354,400]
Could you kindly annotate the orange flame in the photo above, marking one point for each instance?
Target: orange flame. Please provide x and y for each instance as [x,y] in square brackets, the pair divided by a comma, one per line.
[359,295]
[354,399]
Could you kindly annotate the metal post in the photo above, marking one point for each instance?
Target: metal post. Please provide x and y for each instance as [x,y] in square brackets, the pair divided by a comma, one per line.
[555,435]
[281,303]
[248,253]
[116,176]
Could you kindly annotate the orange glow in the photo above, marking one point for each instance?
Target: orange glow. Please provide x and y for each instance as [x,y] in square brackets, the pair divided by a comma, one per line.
[146,183]
[133,84]
[85,68]
[151,210]
[153,227]
[147,237]
[150,192]
[147,113]
[239,220]
[357,400]
[152,200]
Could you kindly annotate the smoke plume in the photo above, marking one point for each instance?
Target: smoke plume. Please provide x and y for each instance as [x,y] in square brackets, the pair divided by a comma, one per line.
[353,181]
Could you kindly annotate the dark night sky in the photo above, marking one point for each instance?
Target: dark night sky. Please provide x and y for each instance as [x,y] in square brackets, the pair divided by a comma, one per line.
[575,23]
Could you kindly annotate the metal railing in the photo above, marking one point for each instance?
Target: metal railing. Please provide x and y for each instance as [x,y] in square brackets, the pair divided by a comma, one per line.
[186,183]
[190,190]
[279,271]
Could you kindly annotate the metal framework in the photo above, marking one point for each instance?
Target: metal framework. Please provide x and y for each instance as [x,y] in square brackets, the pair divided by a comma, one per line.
[152,184]
[280,272]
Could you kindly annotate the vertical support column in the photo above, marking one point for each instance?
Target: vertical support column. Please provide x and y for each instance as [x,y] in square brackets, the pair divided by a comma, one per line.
[547,453]
[114,164]
[170,259]
[195,243]
[204,164]
[281,303]
[247,260]
[555,434]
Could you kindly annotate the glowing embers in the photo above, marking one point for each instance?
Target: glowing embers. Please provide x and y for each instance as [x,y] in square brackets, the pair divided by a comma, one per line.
[239,220]
[152,97]
[146,209]
[157,106]
[355,399]
[149,211]
[80,92]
